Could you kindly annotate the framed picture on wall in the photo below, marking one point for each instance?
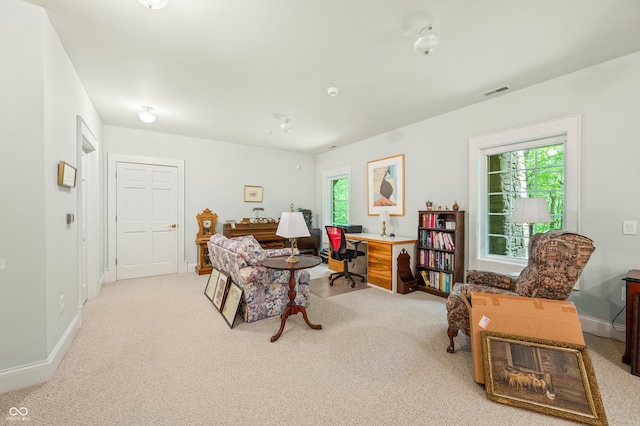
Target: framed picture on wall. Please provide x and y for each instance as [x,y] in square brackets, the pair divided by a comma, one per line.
[252,194]
[66,175]
[385,186]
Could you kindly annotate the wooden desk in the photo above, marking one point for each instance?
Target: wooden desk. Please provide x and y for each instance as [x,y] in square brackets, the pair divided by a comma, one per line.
[292,308]
[633,287]
[382,255]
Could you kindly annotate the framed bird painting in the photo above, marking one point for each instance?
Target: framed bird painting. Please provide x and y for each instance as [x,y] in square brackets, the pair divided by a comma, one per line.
[385,185]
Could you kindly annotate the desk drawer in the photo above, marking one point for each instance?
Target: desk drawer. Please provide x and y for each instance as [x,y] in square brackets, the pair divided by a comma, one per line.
[381,249]
[383,281]
[380,265]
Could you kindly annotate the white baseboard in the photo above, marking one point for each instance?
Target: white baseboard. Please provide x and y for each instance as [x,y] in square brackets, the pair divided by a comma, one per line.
[602,328]
[39,372]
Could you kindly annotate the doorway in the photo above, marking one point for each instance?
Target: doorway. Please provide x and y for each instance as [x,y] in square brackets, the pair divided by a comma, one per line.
[145,217]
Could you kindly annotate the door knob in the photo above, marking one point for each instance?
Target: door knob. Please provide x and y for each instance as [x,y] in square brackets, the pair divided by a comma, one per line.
[173,226]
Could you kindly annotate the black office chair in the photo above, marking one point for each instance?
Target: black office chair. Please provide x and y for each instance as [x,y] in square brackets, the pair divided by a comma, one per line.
[339,251]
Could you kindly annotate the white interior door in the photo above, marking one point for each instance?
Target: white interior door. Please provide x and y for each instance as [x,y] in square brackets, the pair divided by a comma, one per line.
[146,220]
[83,229]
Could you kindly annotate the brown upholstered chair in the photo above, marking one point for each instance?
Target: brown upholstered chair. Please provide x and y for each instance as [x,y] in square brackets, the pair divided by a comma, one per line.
[556,260]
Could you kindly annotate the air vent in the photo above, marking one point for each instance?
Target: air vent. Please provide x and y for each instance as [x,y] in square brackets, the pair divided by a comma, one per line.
[498,90]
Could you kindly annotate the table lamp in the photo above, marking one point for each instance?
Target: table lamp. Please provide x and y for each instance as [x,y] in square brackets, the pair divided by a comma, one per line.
[531,211]
[384,218]
[292,225]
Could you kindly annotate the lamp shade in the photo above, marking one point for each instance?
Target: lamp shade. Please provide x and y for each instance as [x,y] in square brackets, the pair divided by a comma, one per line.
[384,216]
[292,225]
[531,210]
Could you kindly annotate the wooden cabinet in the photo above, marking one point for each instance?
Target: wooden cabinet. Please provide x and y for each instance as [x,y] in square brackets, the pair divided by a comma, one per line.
[204,261]
[440,251]
[633,287]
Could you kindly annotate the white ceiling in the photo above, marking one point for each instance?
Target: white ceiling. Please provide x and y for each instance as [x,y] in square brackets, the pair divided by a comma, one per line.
[223,70]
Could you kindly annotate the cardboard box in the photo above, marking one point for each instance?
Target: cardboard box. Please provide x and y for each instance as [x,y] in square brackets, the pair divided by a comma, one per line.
[521,316]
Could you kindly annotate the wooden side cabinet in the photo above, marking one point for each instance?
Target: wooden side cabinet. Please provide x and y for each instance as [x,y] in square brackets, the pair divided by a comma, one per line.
[633,287]
[204,261]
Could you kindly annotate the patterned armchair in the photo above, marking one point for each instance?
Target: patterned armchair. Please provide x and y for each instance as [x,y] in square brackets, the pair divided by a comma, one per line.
[556,260]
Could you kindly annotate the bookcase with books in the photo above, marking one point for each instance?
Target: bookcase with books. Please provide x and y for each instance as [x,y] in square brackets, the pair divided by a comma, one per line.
[440,250]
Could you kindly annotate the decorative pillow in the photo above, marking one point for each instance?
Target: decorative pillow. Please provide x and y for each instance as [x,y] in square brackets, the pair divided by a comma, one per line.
[250,249]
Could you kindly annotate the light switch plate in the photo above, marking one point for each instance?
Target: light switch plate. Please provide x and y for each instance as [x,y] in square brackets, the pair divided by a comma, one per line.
[629,227]
[2,264]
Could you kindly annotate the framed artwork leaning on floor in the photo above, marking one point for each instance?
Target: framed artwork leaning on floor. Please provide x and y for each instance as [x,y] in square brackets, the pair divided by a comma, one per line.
[551,377]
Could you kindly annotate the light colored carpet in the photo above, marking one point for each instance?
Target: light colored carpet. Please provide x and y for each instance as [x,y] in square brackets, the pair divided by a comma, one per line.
[154,351]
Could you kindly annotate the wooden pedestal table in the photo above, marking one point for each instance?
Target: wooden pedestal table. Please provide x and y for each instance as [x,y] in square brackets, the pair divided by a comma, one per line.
[280,263]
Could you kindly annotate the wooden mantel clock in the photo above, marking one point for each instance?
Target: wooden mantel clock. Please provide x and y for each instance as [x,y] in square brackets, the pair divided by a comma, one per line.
[206,228]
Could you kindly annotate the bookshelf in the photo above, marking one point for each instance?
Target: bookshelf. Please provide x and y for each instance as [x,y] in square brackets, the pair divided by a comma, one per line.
[440,250]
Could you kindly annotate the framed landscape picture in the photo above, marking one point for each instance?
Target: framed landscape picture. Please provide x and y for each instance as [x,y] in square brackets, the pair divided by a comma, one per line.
[385,186]
[231,304]
[551,377]
[221,290]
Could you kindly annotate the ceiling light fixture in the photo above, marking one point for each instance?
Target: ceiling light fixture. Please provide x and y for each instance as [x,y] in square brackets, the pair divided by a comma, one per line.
[154,4]
[426,41]
[147,115]
[333,91]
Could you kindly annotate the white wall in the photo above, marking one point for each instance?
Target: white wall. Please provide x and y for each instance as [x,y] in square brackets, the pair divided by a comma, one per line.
[22,172]
[41,98]
[216,172]
[436,166]
[64,100]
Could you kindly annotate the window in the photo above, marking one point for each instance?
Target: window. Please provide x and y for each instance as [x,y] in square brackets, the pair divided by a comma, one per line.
[336,196]
[539,160]
[533,172]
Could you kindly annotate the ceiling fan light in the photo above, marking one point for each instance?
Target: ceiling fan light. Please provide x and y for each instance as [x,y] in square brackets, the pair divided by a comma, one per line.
[154,4]
[147,115]
[426,41]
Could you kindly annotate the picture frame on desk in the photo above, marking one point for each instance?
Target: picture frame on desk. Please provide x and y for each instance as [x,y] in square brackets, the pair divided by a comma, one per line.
[550,377]
[385,186]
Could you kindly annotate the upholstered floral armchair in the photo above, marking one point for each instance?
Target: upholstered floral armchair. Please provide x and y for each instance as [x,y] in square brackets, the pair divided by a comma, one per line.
[556,260]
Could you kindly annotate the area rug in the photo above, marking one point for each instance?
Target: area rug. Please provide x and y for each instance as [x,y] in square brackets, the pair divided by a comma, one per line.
[321,288]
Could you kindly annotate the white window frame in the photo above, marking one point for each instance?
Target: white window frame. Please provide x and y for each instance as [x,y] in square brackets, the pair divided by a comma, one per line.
[510,140]
[327,177]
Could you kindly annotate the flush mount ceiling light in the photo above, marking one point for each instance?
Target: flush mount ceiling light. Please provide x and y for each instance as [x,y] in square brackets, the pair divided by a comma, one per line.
[285,126]
[333,91]
[147,115]
[154,4]
[426,41]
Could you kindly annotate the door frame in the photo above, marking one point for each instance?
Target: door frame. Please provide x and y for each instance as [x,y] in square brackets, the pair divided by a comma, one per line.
[112,160]
[89,270]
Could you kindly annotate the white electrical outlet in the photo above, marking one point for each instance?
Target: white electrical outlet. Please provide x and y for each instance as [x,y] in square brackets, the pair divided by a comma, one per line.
[62,303]
[629,227]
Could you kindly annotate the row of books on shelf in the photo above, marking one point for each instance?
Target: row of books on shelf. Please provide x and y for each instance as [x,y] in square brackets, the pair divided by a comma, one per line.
[437,221]
[436,239]
[437,279]
[436,259]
